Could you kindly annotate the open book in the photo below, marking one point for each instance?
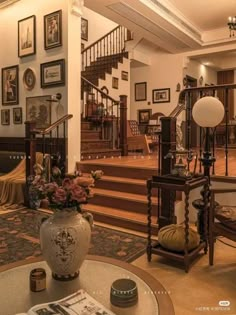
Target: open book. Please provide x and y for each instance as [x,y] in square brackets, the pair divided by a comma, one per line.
[79,303]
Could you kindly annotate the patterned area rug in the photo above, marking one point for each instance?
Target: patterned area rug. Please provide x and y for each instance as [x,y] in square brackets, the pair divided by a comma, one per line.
[19,239]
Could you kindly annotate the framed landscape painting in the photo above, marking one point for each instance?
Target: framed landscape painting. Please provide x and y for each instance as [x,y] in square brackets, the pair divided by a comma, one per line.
[53,30]
[10,85]
[26,36]
[38,109]
[52,73]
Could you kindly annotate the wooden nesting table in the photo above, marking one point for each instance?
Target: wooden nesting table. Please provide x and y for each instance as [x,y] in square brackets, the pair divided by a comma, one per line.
[173,184]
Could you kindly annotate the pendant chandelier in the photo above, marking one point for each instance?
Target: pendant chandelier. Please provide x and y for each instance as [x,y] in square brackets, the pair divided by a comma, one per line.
[232,25]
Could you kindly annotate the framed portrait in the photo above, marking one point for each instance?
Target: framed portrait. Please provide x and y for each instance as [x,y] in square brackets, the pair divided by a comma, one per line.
[17,115]
[5,116]
[84,29]
[52,73]
[10,85]
[26,36]
[29,79]
[144,116]
[124,75]
[115,83]
[38,109]
[53,30]
[161,95]
[140,91]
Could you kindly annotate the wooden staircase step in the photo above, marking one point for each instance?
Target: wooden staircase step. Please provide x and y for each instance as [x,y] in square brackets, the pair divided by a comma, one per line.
[99,154]
[90,135]
[118,170]
[135,186]
[123,200]
[118,217]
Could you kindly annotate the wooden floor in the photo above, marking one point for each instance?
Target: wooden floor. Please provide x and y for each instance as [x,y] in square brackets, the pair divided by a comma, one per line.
[151,161]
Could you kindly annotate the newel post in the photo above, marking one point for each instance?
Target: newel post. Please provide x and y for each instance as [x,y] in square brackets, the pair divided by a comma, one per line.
[123,125]
[30,153]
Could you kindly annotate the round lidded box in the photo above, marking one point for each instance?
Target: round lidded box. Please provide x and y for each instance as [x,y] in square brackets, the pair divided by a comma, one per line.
[124,293]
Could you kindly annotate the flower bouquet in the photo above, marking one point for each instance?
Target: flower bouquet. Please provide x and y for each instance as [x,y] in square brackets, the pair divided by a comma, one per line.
[61,193]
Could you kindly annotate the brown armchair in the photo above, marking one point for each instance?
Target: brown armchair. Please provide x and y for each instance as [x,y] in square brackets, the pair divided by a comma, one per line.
[222,220]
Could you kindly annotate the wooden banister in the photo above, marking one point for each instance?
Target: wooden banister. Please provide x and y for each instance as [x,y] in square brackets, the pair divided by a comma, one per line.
[53,126]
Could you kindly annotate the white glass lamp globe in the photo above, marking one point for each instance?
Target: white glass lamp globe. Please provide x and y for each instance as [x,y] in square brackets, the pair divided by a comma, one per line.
[208,111]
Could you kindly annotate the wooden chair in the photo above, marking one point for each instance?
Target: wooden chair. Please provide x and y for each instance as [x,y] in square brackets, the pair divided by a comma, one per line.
[222,220]
[137,141]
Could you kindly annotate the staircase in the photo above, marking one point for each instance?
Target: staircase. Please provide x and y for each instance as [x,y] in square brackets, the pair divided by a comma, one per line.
[120,196]
[102,66]
[92,146]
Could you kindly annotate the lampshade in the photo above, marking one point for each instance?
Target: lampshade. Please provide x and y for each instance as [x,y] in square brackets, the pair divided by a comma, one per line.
[208,111]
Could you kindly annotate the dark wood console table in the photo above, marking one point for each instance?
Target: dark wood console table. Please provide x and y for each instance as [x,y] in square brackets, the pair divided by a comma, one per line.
[173,184]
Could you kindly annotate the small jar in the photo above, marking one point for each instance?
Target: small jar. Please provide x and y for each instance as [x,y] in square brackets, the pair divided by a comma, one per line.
[37,280]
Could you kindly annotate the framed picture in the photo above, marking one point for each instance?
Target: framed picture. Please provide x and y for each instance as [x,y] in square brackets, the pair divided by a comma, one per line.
[5,116]
[84,29]
[53,30]
[82,46]
[115,83]
[144,116]
[17,115]
[161,95]
[140,91]
[52,73]
[10,90]
[26,36]
[29,79]
[124,75]
[38,109]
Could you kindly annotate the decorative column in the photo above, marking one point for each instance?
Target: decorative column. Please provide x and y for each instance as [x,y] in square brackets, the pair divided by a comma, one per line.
[74,82]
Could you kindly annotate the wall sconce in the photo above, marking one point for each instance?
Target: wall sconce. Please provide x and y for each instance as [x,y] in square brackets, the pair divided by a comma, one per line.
[178,87]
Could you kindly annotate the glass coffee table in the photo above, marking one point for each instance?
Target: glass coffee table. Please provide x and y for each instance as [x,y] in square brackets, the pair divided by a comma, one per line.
[96,276]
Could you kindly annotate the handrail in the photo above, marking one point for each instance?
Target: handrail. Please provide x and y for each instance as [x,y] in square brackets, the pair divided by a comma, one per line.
[100,39]
[105,95]
[53,126]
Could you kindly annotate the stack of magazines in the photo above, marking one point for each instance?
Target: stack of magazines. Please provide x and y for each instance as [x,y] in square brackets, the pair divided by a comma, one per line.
[79,303]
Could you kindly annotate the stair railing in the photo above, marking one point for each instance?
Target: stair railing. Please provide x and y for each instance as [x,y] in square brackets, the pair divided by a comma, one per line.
[111,44]
[51,140]
[209,90]
[103,110]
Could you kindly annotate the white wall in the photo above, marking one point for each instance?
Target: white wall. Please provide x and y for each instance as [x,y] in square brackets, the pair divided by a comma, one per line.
[98,26]
[9,53]
[196,70]
[166,71]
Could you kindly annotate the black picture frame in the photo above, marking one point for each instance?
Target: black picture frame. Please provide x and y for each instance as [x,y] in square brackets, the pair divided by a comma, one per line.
[161,95]
[10,85]
[144,116]
[5,116]
[52,73]
[53,30]
[17,115]
[140,91]
[115,83]
[124,75]
[27,36]
[38,109]
[84,29]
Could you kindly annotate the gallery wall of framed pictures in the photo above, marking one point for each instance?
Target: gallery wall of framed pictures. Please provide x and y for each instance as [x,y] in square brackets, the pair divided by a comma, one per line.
[21,81]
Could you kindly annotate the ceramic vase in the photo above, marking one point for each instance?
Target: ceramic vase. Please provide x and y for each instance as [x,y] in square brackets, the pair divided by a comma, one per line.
[65,239]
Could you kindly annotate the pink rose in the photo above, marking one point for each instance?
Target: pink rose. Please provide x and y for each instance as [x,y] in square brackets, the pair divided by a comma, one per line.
[59,196]
[78,194]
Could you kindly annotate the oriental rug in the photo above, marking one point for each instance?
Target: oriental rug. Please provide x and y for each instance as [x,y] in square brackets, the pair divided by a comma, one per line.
[19,239]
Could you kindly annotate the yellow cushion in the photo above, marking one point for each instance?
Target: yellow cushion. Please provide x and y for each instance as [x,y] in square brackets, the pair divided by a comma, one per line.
[172,237]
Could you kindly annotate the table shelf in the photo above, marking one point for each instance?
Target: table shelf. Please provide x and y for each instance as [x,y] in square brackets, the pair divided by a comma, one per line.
[172,183]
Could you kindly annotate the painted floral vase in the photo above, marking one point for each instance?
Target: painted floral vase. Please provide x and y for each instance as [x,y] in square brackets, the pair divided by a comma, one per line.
[65,239]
